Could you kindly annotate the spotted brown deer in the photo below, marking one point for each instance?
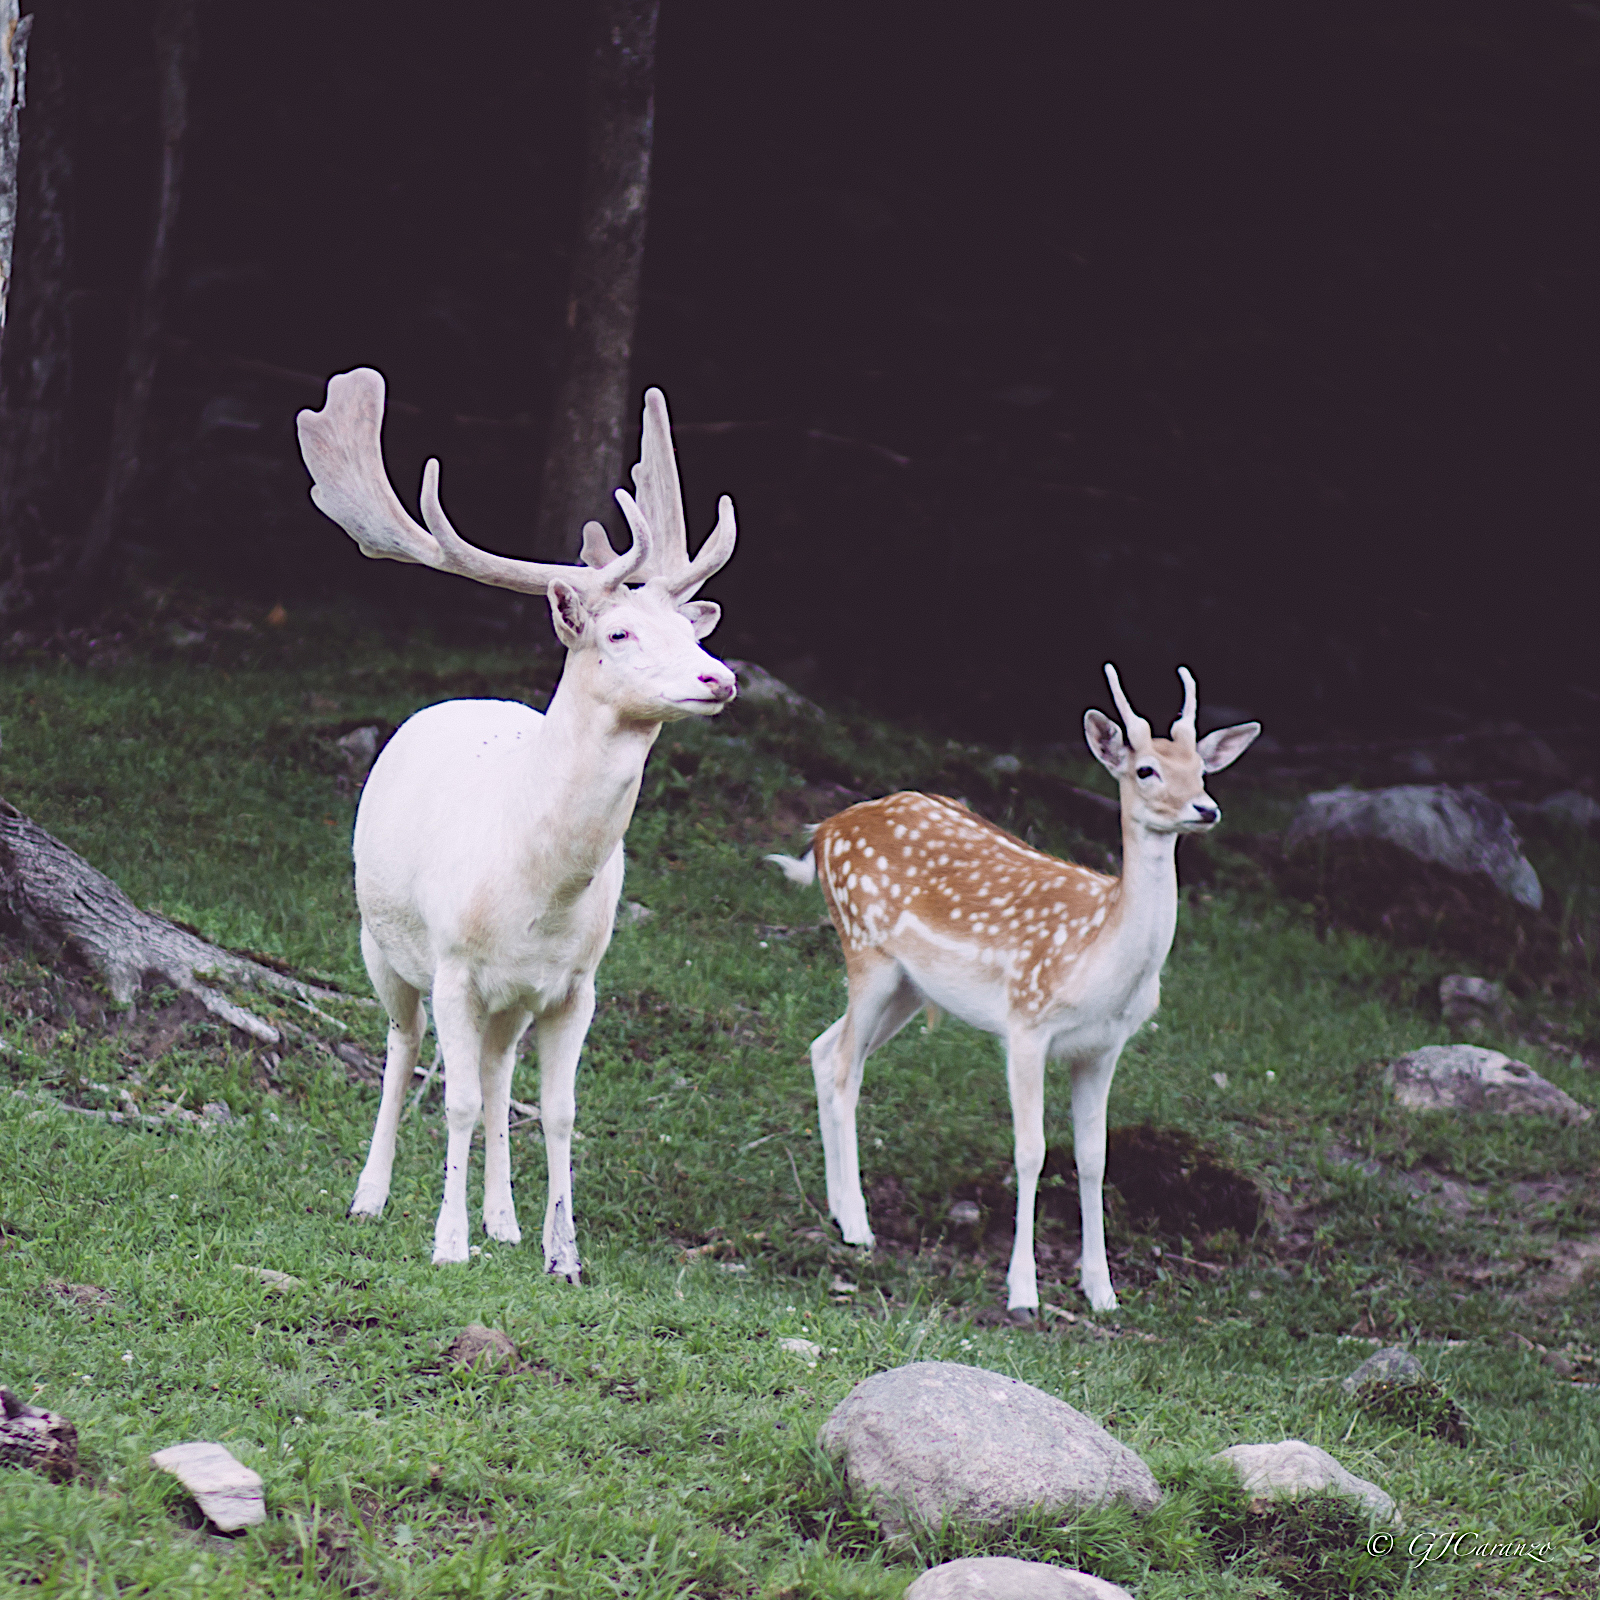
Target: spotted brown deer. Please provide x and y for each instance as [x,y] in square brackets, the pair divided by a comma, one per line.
[935,906]
[488,843]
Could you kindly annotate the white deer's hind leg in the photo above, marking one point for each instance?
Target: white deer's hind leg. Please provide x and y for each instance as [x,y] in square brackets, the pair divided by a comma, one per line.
[882,1000]
[408,1021]
[561,1036]
[1025,1065]
[1091,1089]
[459,1022]
[499,1062]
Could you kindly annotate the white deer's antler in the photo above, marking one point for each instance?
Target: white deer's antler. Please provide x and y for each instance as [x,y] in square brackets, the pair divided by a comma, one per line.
[657,505]
[1183,728]
[343,451]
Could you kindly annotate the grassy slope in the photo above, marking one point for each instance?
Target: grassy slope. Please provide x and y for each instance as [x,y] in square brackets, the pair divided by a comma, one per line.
[664,1437]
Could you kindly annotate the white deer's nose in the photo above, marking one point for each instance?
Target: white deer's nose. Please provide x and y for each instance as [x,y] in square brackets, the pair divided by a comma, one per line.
[720,684]
[1206,811]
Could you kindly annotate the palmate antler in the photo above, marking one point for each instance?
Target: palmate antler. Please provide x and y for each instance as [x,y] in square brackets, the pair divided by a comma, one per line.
[343,451]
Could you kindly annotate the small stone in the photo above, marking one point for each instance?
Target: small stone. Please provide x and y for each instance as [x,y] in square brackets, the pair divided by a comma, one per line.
[964,1213]
[1006,1578]
[801,1347]
[282,1282]
[1395,1364]
[634,914]
[936,1441]
[1467,1077]
[226,1490]
[1291,1468]
[478,1346]
[1469,1004]
[217,1111]
[1220,1079]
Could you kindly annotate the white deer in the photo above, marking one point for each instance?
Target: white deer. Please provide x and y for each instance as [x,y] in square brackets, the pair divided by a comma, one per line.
[488,843]
[935,906]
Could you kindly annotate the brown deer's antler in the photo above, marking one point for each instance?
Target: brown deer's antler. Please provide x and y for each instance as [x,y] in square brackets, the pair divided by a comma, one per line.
[343,451]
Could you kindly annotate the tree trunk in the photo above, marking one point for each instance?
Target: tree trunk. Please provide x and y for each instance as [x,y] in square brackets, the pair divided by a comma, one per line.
[175,52]
[36,376]
[53,898]
[13,85]
[584,453]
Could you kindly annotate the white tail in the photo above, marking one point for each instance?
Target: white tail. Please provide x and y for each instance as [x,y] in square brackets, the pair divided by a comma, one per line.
[488,844]
[802,870]
[935,906]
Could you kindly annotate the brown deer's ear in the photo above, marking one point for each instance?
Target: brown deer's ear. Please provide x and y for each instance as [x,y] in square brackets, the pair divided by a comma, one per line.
[1106,743]
[1225,746]
[570,615]
[703,616]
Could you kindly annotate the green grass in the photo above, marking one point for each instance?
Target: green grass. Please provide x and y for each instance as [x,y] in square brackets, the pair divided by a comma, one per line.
[661,1442]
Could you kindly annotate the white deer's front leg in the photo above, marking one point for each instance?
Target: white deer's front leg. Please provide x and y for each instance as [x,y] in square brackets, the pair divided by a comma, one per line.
[457,1019]
[561,1036]
[499,1063]
[1025,1064]
[1091,1089]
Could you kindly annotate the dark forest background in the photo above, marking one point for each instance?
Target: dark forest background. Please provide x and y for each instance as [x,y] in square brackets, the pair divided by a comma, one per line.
[1257,337]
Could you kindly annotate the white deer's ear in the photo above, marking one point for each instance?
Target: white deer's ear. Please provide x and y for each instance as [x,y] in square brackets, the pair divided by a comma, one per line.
[1106,744]
[1225,746]
[570,615]
[703,616]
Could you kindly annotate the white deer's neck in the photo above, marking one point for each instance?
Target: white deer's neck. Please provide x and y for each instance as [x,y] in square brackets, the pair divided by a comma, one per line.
[590,763]
[1149,906]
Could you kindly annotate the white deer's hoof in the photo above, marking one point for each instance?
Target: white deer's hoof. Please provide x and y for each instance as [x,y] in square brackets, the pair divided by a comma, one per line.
[449,1247]
[503,1229]
[369,1200]
[568,1272]
[1022,1316]
[1101,1298]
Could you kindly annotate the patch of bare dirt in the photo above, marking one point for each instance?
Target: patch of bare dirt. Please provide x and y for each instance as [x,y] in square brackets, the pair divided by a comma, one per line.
[85,1296]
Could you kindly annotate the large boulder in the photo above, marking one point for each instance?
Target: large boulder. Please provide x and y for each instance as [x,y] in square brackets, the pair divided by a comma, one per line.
[1467,1077]
[1462,830]
[1006,1578]
[1291,1468]
[936,1441]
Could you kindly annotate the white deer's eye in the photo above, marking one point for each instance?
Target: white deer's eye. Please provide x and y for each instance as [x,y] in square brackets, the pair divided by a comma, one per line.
[619,636]
[1147,772]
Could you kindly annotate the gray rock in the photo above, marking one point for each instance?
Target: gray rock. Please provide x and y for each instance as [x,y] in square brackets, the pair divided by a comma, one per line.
[281,1281]
[360,747]
[1395,1364]
[1006,1578]
[1291,1468]
[1460,829]
[807,1348]
[1473,1003]
[758,686]
[1467,1077]
[1572,806]
[226,1490]
[935,1441]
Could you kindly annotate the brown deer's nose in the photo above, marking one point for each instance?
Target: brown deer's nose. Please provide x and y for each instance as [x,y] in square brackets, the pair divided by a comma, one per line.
[721,688]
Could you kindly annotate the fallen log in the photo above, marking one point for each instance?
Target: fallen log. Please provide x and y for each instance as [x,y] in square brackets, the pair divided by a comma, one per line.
[52,898]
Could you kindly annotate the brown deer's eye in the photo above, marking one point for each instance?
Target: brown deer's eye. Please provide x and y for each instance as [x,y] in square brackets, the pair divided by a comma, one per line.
[1147,772]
